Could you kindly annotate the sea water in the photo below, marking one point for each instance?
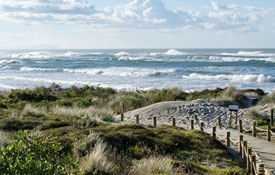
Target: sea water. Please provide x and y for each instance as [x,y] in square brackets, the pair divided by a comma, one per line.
[139,69]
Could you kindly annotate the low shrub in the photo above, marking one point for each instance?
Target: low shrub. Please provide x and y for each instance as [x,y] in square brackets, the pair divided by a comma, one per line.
[28,154]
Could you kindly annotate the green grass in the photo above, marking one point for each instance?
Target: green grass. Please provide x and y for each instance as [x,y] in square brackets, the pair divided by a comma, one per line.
[80,120]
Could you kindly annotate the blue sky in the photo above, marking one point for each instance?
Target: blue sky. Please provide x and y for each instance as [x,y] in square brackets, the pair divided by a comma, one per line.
[93,24]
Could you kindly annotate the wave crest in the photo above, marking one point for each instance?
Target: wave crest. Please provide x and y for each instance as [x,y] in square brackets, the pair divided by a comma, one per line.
[233,78]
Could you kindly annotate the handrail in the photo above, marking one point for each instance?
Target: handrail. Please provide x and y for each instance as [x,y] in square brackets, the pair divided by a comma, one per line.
[260,129]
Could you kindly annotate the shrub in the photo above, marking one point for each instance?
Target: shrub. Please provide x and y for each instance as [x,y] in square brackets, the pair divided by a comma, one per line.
[106,118]
[34,155]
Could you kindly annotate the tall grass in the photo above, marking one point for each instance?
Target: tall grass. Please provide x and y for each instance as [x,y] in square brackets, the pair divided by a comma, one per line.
[153,165]
[90,112]
[34,111]
[5,138]
[228,95]
[269,99]
[96,162]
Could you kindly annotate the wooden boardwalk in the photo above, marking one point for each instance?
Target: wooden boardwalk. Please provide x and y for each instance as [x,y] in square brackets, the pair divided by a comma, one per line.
[265,150]
[258,153]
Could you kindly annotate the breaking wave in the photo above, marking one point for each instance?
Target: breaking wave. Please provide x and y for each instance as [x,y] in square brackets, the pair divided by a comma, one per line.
[233,78]
[122,71]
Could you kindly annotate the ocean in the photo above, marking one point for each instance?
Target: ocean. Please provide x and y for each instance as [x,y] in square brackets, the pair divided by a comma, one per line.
[139,69]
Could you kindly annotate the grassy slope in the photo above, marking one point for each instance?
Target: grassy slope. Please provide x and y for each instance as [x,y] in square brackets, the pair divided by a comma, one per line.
[46,111]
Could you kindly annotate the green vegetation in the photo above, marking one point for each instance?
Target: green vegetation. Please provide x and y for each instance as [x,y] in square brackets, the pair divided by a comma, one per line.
[28,154]
[74,136]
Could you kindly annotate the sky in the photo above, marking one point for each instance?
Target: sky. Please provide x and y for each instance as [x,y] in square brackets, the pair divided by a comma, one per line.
[107,24]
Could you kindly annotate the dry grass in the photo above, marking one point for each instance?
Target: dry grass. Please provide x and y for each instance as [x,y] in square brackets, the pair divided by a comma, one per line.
[228,95]
[5,138]
[34,110]
[153,165]
[96,161]
[91,112]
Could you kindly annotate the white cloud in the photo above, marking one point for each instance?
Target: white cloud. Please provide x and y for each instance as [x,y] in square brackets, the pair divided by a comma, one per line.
[142,14]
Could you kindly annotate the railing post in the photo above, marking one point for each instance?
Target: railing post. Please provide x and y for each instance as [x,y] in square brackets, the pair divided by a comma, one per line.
[252,164]
[230,119]
[196,117]
[201,126]
[244,149]
[268,133]
[192,124]
[261,170]
[241,144]
[123,108]
[254,129]
[122,117]
[219,122]
[214,132]
[241,126]
[271,117]
[228,139]
[155,121]
[248,162]
[137,119]
[236,121]
[174,122]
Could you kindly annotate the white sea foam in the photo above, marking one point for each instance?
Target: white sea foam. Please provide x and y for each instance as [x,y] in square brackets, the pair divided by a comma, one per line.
[4,64]
[131,58]
[171,52]
[249,53]
[119,54]
[233,78]
[30,55]
[31,69]
[122,71]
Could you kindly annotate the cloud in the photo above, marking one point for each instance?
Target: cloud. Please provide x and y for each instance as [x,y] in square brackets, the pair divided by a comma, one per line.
[138,14]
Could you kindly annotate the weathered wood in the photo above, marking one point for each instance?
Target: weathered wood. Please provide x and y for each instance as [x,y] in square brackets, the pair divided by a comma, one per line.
[241,144]
[196,117]
[271,117]
[201,126]
[244,149]
[123,107]
[230,119]
[254,129]
[268,133]
[122,117]
[261,170]
[228,139]
[241,126]
[214,135]
[248,162]
[192,124]
[174,122]
[252,164]
[155,121]
[137,119]
[236,121]
[219,122]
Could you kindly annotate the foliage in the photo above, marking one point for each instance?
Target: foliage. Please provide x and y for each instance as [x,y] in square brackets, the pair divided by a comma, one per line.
[34,155]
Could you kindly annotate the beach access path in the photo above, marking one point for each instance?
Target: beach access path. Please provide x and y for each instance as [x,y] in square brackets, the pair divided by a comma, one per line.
[265,150]
[181,113]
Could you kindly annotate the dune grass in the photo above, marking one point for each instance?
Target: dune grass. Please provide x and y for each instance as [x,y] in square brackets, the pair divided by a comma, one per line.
[74,117]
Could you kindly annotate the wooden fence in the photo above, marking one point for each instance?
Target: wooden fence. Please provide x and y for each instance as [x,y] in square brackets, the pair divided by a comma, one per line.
[253,162]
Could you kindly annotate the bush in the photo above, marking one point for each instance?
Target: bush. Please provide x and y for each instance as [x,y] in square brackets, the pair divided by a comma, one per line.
[34,155]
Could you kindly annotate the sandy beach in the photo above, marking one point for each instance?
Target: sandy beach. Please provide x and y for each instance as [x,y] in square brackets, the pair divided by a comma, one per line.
[184,111]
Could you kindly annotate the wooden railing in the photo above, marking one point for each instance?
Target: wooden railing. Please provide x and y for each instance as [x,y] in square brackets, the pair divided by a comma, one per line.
[253,162]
